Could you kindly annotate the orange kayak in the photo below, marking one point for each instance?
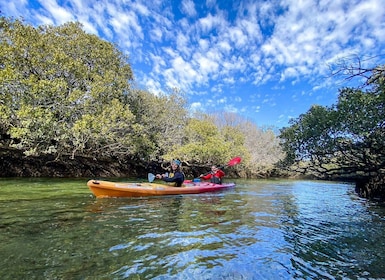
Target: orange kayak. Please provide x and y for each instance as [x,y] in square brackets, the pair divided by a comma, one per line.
[119,189]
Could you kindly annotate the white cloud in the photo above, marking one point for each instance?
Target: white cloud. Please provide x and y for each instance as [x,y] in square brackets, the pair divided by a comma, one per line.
[182,42]
[60,14]
[203,44]
[289,73]
[126,22]
[140,8]
[224,47]
[196,106]
[210,23]
[238,99]
[237,37]
[188,8]
[230,108]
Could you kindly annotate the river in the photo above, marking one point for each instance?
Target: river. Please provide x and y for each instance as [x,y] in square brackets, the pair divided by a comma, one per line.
[261,229]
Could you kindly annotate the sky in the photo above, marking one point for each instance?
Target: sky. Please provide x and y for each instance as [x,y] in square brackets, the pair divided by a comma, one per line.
[267,61]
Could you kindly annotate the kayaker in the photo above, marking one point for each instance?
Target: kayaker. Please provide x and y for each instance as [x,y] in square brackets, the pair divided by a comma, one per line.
[215,176]
[175,176]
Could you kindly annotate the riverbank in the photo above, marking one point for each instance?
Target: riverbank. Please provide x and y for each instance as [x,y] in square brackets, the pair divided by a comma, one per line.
[13,163]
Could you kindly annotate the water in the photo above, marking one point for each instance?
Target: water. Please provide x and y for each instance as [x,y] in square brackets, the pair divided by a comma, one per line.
[55,229]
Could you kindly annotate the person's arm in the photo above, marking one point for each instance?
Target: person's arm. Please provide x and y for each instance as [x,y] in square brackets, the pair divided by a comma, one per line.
[178,177]
[206,177]
[220,173]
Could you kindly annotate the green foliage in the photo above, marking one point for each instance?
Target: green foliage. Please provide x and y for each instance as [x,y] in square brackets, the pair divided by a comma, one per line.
[40,121]
[217,138]
[363,112]
[203,142]
[55,79]
[159,119]
[344,139]
[104,133]
[259,147]
[308,135]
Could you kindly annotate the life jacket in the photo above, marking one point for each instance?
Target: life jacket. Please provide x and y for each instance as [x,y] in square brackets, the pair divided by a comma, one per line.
[216,180]
[176,184]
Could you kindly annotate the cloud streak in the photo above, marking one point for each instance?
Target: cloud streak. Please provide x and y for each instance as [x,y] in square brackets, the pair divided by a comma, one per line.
[228,48]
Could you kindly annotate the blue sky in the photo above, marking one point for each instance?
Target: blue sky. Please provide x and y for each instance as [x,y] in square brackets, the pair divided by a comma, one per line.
[268,61]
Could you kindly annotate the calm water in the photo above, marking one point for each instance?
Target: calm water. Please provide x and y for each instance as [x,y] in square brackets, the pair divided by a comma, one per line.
[55,229]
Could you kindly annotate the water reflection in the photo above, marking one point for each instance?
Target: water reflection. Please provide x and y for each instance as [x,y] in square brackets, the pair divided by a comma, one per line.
[176,233]
[259,230]
[328,234]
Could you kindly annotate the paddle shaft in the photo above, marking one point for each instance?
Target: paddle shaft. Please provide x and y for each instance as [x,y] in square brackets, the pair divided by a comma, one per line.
[232,162]
[220,167]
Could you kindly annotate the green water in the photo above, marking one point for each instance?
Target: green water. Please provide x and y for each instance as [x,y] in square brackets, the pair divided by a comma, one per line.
[56,229]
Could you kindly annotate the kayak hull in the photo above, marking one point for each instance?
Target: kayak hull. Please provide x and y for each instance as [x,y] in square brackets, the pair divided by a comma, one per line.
[119,189]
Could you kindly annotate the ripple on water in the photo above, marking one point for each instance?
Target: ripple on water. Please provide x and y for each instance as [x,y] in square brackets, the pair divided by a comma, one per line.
[263,229]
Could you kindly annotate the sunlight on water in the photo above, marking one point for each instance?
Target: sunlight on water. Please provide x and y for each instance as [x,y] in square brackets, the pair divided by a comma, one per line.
[55,229]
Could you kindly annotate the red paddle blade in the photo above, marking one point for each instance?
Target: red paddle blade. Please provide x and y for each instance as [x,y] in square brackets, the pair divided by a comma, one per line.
[234,161]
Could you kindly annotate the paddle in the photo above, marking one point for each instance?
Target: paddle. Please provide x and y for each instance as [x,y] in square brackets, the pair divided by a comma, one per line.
[232,162]
[151,177]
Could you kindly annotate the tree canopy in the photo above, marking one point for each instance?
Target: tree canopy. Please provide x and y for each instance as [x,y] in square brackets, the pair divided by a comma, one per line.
[58,84]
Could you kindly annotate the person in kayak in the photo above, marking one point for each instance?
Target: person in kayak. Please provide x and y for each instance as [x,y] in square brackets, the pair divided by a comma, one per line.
[215,176]
[176,175]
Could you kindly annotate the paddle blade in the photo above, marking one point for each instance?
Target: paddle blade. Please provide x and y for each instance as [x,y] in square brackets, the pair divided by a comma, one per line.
[234,161]
[151,177]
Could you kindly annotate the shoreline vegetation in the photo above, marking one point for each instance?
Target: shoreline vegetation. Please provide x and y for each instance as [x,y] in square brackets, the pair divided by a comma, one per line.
[15,164]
